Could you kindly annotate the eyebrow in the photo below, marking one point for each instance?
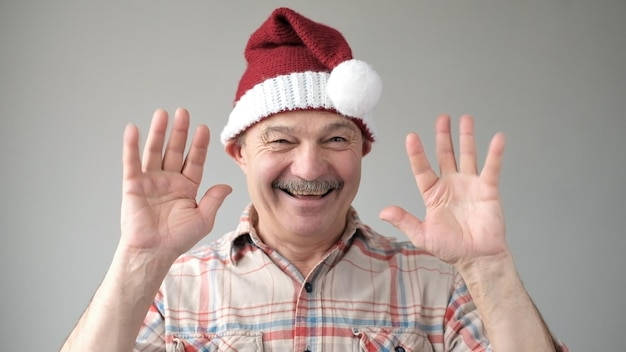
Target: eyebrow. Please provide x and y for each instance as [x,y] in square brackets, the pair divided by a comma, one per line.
[340,125]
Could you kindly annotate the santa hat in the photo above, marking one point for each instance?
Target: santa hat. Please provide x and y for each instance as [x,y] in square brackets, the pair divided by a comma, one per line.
[295,63]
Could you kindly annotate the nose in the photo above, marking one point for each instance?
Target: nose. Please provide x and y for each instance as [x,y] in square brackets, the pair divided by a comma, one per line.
[309,162]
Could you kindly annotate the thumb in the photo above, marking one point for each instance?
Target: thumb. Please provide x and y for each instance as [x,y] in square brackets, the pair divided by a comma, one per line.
[404,221]
[211,201]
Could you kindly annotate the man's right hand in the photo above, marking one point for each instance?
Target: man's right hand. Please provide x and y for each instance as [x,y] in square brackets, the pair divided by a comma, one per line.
[160,215]
[160,221]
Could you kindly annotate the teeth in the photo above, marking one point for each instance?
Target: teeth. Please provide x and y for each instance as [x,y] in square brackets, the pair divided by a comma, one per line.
[296,193]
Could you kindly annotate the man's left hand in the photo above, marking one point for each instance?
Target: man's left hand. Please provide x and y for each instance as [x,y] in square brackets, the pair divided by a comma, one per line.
[464,220]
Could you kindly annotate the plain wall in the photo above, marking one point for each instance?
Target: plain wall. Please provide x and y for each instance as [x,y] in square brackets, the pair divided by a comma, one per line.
[550,74]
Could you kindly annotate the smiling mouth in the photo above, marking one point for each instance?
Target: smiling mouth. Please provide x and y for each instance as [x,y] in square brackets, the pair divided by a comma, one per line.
[298,194]
[299,188]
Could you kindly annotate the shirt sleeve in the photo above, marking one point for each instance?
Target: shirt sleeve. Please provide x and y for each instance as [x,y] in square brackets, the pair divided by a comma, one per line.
[151,336]
[463,327]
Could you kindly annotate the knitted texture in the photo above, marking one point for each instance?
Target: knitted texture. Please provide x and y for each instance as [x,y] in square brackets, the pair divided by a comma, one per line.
[288,42]
[290,60]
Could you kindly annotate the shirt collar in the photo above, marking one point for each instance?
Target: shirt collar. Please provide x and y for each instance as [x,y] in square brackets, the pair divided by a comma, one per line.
[245,233]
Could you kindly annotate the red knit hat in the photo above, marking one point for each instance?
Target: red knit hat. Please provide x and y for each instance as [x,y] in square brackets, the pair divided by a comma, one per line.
[297,64]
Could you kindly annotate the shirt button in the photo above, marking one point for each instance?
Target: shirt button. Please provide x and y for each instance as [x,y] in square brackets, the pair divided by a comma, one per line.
[308,287]
[399,349]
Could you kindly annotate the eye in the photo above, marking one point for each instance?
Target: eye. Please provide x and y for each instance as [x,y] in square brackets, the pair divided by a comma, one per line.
[338,139]
[279,141]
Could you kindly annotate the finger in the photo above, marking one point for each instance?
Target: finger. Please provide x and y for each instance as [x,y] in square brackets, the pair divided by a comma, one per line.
[424,175]
[404,221]
[444,147]
[175,149]
[211,201]
[153,150]
[131,163]
[467,142]
[493,162]
[194,162]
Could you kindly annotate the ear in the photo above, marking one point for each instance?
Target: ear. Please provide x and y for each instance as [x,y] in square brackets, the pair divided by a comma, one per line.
[234,150]
[367,146]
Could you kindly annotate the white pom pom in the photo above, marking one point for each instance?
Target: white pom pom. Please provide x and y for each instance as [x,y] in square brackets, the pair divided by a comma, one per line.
[354,88]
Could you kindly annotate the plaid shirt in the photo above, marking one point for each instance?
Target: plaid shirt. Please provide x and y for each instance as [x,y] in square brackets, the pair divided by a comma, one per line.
[369,293]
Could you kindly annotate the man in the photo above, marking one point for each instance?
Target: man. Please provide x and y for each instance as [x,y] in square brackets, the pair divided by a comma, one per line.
[301,272]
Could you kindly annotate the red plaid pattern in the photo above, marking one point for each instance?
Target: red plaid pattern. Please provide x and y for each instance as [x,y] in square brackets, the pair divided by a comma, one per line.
[370,293]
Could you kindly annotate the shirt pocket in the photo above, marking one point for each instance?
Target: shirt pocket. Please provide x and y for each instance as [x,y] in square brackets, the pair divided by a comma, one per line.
[391,339]
[232,341]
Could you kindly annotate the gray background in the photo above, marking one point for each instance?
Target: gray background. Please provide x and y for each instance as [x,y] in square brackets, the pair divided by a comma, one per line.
[551,74]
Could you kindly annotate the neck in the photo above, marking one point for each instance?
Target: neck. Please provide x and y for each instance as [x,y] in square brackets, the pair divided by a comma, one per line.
[304,258]
[304,251]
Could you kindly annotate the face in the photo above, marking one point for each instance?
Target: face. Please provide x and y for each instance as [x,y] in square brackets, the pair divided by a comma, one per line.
[303,170]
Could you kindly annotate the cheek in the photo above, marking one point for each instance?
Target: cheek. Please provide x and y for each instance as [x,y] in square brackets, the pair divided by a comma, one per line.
[349,168]
[266,170]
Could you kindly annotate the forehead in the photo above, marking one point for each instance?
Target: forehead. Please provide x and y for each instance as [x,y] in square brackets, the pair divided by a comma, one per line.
[302,121]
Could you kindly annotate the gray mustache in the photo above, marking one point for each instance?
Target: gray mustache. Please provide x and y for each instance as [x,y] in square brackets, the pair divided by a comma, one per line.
[301,186]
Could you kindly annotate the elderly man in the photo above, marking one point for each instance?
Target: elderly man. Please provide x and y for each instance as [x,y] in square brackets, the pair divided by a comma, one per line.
[302,272]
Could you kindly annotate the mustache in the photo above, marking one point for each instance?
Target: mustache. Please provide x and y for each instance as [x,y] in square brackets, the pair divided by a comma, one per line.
[301,186]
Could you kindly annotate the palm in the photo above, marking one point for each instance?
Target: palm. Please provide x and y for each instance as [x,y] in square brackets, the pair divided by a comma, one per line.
[464,218]
[465,221]
[162,207]
[159,208]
